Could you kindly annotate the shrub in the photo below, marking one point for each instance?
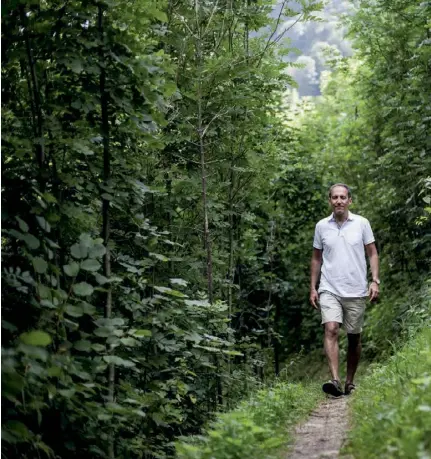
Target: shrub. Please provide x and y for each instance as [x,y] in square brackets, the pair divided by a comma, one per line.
[392,407]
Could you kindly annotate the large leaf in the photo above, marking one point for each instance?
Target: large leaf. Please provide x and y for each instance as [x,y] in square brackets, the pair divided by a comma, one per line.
[146,333]
[83,345]
[83,289]
[178,281]
[43,223]
[90,265]
[72,269]
[22,225]
[74,311]
[170,291]
[97,251]
[79,250]
[40,265]
[36,338]
[113,359]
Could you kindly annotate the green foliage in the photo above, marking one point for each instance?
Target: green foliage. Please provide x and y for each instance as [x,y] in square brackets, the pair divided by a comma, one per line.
[390,322]
[392,406]
[259,426]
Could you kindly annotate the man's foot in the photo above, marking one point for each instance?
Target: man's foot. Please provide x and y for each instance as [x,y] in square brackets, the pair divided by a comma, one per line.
[333,388]
[349,388]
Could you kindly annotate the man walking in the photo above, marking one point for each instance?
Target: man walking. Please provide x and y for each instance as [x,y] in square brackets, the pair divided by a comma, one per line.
[340,242]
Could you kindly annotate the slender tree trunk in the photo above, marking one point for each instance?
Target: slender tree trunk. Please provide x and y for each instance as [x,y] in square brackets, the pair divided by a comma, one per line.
[35,99]
[201,134]
[105,209]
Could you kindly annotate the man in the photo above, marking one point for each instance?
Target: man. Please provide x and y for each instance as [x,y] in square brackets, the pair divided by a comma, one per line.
[339,242]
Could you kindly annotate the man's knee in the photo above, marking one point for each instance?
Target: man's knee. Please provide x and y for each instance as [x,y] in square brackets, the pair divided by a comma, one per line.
[332,329]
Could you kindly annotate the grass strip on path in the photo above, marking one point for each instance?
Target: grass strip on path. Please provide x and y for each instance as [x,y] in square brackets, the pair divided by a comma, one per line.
[258,428]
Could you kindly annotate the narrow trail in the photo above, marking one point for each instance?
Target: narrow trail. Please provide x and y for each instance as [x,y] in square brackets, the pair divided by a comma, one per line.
[323,433]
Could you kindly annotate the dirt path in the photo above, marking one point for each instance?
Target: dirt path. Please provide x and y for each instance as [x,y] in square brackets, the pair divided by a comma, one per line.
[323,433]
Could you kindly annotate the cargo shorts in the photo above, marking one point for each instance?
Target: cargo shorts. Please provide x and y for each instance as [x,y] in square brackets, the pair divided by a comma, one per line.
[347,311]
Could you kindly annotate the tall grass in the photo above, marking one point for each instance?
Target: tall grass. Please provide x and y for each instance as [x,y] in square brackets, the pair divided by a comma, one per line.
[392,406]
[258,428]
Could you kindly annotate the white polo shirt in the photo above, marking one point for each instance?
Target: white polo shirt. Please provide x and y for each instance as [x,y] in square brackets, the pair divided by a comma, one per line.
[344,268]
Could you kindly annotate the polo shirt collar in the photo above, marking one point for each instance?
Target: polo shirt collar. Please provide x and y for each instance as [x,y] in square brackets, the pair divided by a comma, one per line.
[349,217]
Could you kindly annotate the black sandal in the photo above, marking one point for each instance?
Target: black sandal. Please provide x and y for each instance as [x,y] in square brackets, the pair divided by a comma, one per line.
[349,388]
[333,388]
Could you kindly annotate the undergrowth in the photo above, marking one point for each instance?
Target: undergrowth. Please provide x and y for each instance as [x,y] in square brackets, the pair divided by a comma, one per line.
[257,428]
[392,406]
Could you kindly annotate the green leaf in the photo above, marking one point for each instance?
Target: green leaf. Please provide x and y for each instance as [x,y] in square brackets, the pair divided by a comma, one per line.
[22,225]
[18,430]
[43,223]
[90,265]
[104,332]
[146,333]
[97,251]
[72,269]
[113,322]
[40,265]
[159,14]
[159,256]
[29,239]
[83,345]
[83,289]
[76,66]
[169,291]
[44,292]
[169,89]
[113,359]
[36,338]
[87,308]
[67,392]
[101,279]
[98,347]
[79,251]
[177,281]
[74,311]
[129,341]
[197,303]
[32,241]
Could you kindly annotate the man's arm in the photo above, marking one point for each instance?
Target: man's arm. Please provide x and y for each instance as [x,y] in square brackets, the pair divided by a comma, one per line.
[373,256]
[316,262]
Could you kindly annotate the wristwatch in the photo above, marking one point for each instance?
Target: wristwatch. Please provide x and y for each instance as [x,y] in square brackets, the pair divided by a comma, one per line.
[377,281]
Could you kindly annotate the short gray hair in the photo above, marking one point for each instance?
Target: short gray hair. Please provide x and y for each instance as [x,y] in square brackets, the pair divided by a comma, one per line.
[349,191]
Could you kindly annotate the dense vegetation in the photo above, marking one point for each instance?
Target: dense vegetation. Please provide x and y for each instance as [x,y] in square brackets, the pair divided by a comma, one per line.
[392,413]
[159,193]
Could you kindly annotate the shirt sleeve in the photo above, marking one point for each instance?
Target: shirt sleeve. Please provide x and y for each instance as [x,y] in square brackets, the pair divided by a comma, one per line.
[317,242]
[367,233]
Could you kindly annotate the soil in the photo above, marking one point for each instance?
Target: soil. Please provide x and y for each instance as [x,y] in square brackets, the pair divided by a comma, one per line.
[322,435]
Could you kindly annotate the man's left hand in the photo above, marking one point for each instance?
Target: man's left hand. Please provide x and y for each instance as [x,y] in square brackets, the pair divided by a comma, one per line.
[373,291]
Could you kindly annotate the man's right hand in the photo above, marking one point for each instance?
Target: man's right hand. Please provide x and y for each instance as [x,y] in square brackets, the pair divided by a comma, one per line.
[314,298]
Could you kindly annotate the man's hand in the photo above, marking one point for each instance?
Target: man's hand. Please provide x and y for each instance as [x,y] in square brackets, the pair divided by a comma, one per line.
[314,298]
[373,291]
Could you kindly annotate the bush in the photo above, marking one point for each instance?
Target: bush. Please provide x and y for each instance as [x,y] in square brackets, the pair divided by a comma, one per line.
[257,428]
[392,407]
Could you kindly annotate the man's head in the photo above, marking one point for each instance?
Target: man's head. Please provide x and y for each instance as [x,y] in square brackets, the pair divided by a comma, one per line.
[340,198]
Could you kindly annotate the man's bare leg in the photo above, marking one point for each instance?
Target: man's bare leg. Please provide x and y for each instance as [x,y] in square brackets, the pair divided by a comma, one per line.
[353,355]
[331,347]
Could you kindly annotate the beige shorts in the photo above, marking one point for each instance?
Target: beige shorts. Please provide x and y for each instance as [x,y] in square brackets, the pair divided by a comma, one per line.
[346,311]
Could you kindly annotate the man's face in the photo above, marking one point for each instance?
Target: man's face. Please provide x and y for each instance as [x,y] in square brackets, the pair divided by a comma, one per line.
[339,200]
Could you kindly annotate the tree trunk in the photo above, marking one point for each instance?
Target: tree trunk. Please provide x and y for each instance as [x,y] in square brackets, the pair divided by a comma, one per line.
[105,210]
